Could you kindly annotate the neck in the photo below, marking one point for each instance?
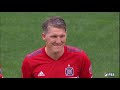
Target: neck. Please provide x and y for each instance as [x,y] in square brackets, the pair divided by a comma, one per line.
[54,55]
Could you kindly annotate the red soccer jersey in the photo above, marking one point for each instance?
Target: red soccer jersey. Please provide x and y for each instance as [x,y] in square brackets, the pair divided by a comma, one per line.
[74,63]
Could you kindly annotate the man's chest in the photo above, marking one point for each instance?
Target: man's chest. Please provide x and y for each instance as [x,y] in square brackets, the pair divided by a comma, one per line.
[58,69]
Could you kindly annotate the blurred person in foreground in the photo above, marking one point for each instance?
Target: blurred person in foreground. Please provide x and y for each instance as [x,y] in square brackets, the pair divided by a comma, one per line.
[1,75]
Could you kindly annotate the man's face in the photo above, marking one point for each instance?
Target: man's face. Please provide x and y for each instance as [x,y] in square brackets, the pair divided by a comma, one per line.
[55,39]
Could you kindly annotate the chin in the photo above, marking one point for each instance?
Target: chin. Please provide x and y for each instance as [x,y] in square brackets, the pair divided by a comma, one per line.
[57,49]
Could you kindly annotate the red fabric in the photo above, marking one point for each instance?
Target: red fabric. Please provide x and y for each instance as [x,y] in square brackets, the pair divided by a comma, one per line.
[1,76]
[74,63]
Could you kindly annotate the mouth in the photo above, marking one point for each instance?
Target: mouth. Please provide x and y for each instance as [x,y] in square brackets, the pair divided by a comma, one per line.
[58,45]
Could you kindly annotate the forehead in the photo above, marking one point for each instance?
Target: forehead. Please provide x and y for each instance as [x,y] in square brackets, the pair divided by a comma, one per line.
[54,30]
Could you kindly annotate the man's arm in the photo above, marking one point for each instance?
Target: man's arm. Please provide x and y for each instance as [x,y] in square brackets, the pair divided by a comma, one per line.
[86,71]
[26,69]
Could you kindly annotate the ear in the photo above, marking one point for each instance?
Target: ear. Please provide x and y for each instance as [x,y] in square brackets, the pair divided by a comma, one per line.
[43,36]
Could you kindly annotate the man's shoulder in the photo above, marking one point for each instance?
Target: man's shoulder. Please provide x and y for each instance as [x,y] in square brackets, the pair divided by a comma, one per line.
[74,49]
[35,53]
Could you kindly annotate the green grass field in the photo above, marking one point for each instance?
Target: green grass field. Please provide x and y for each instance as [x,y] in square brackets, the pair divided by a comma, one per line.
[95,32]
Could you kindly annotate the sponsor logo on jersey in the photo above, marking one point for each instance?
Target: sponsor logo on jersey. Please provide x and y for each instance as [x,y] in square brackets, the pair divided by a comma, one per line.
[69,71]
[41,73]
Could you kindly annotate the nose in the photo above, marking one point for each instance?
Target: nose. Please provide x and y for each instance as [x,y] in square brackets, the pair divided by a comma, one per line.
[58,40]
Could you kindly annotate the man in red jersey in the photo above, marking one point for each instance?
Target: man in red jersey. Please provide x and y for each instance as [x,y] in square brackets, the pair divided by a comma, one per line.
[56,59]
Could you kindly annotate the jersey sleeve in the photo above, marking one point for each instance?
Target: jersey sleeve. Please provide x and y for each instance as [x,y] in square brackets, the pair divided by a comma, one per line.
[26,68]
[86,68]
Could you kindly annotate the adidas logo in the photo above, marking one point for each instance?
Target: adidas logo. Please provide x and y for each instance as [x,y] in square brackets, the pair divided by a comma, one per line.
[41,73]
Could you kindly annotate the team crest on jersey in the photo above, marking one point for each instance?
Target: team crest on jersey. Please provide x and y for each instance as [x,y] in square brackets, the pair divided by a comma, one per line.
[69,71]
